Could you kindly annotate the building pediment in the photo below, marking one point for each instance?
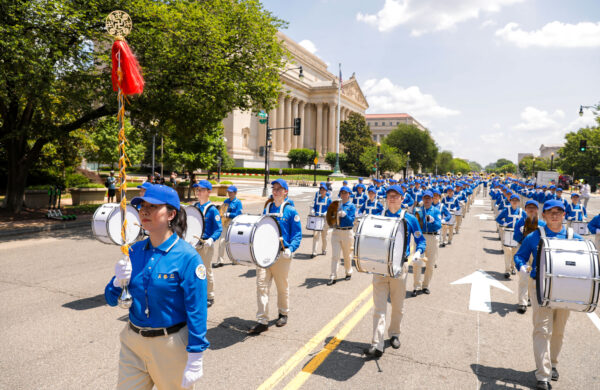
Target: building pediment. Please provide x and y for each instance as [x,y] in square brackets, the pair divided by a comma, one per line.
[352,90]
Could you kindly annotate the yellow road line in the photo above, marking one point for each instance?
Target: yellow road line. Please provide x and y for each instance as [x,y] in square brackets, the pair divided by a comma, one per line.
[316,361]
[313,342]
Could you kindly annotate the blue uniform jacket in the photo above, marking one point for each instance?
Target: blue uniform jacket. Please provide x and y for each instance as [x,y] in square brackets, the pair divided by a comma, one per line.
[359,200]
[508,217]
[371,208]
[594,225]
[350,210]
[289,222]
[212,221]
[234,209]
[434,212]
[446,216]
[529,247]
[451,203]
[175,279]
[518,233]
[414,230]
[321,204]
[408,201]
[575,212]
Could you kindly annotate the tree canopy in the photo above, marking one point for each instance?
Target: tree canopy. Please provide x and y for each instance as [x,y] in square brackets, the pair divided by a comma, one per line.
[391,160]
[409,138]
[586,163]
[355,135]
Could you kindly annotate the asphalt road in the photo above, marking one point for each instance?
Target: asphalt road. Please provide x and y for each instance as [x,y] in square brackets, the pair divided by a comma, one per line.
[58,333]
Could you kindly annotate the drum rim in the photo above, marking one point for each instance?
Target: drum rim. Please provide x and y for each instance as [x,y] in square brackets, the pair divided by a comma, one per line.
[115,207]
[251,238]
[201,214]
[96,236]
[393,245]
[315,216]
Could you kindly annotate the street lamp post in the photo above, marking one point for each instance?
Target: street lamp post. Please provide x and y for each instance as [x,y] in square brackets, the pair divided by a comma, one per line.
[552,161]
[586,107]
[377,159]
[220,160]
[407,165]
[154,123]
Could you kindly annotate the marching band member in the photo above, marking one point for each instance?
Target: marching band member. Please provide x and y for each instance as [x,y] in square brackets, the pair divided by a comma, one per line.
[548,324]
[453,205]
[163,342]
[319,208]
[234,208]
[507,219]
[430,222]
[395,288]
[462,200]
[594,228]
[291,235]
[574,210]
[355,187]
[372,206]
[360,197]
[342,238]
[212,232]
[531,211]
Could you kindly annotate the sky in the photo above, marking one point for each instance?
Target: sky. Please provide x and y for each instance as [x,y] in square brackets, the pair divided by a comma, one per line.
[488,78]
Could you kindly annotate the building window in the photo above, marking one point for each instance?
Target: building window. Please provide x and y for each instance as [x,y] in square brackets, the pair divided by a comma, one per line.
[375,123]
[397,123]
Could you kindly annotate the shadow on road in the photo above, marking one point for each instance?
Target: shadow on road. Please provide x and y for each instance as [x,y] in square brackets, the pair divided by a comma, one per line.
[502,378]
[83,232]
[499,276]
[344,362]
[493,251]
[314,282]
[303,256]
[86,303]
[231,331]
[492,238]
[502,308]
[488,231]
[250,273]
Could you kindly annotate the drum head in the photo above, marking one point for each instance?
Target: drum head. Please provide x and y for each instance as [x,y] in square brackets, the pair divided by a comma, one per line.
[133,229]
[399,251]
[195,225]
[265,242]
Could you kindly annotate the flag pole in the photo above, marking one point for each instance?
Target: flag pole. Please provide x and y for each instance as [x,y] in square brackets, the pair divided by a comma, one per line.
[336,170]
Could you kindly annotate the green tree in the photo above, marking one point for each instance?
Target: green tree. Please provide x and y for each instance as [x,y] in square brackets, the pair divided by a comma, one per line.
[301,157]
[356,137]
[104,147]
[444,162]
[391,160]
[200,61]
[409,138]
[572,160]
[330,159]
[475,166]
[526,165]
[460,165]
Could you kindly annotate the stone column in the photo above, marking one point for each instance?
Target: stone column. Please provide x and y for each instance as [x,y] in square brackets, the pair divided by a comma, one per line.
[332,127]
[272,123]
[295,104]
[303,127]
[278,133]
[287,122]
[319,128]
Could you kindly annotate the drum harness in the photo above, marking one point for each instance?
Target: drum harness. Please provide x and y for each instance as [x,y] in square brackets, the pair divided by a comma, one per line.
[370,208]
[277,215]
[201,242]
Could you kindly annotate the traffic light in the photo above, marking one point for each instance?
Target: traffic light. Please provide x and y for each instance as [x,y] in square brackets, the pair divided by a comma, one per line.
[582,145]
[268,134]
[297,122]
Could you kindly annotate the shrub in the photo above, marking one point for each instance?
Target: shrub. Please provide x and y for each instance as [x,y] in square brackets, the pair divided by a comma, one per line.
[89,185]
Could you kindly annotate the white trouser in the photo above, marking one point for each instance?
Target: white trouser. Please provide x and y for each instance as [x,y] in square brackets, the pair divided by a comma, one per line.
[395,288]
[341,241]
[509,254]
[320,235]
[447,233]
[264,276]
[223,244]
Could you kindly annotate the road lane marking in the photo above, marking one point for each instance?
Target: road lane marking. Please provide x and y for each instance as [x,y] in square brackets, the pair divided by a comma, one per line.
[316,361]
[481,284]
[314,342]
[594,319]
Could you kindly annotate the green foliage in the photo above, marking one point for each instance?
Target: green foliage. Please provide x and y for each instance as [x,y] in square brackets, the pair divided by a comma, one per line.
[581,163]
[299,158]
[541,164]
[475,166]
[284,171]
[391,160]
[356,137]
[88,185]
[409,138]
[503,165]
[444,162]
[104,145]
[330,159]
[460,165]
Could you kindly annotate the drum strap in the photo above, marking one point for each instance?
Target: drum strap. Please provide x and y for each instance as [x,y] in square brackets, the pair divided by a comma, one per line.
[569,233]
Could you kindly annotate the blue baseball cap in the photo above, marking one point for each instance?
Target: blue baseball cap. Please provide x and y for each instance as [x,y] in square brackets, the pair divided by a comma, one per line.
[360,179]
[203,184]
[323,186]
[428,193]
[574,194]
[281,182]
[515,196]
[345,182]
[372,189]
[533,202]
[361,186]
[345,188]
[554,203]
[437,192]
[232,189]
[559,189]
[145,185]
[396,188]
[158,194]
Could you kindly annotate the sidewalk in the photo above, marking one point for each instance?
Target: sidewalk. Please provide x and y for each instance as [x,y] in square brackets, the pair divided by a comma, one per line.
[30,226]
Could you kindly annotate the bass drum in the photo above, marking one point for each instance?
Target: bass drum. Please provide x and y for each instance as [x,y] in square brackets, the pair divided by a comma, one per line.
[253,240]
[568,274]
[106,224]
[195,225]
[380,245]
[580,228]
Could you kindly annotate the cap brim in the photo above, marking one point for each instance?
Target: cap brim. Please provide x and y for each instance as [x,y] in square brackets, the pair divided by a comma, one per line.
[140,199]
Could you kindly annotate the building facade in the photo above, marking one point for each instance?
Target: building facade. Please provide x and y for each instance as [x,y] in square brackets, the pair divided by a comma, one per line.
[546,151]
[383,124]
[312,98]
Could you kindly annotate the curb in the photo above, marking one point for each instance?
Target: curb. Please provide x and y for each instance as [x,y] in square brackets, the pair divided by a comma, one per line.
[45,228]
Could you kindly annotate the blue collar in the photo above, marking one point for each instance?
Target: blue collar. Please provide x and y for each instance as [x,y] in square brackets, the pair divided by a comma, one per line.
[165,246]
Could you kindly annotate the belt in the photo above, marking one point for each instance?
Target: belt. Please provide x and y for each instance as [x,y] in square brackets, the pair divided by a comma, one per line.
[432,234]
[345,228]
[157,332]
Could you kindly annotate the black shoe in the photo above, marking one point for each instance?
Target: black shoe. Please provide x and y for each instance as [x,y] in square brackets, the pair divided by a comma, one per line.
[414,293]
[348,277]
[372,352]
[449,243]
[395,342]
[313,255]
[542,385]
[426,291]
[507,275]
[210,302]
[442,245]
[513,272]
[324,253]
[554,374]
[258,329]
[217,265]
[529,302]
[331,282]
[522,309]
[281,321]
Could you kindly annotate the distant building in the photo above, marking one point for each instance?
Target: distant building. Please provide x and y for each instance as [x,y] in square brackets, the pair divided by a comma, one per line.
[521,156]
[547,150]
[383,124]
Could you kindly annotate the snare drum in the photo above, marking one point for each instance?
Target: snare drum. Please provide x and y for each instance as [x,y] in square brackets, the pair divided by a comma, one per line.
[580,228]
[507,237]
[315,222]
[451,222]
[195,225]
[568,275]
[380,245]
[106,224]
[253,240]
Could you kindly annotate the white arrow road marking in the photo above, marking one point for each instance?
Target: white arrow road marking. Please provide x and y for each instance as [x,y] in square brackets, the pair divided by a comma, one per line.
[594,319]
[478,202]
[483,216]
[481,284]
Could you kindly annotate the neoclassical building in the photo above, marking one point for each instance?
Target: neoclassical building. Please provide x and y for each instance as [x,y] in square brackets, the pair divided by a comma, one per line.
[313,98]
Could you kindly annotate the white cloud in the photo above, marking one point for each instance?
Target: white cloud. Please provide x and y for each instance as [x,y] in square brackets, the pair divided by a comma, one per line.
[496,125]
[534,119]
[488,23]
[554,34]
[492,138]
[308,45]
[587,120]
[424,16]
[386,97]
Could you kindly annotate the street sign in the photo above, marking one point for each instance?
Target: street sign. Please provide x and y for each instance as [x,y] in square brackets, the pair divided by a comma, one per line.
[481,284]
[316,160]
[262,117]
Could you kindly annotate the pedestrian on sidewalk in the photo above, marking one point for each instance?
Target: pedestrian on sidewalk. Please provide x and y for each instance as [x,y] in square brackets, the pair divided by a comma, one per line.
[111,184]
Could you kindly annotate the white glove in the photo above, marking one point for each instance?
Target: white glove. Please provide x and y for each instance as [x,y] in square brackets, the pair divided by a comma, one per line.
[312,212]
[429,218]
[287,253]
[227,215]
[122,272]
[193,370]
[342,213]
[523,270]
[521,229]
[208,243]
